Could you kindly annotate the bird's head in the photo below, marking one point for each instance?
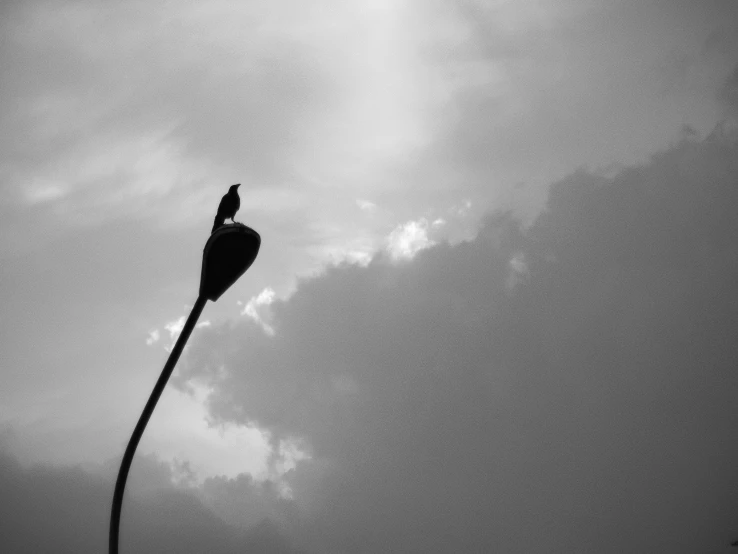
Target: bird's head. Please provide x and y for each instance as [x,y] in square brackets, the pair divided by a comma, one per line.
[234,188]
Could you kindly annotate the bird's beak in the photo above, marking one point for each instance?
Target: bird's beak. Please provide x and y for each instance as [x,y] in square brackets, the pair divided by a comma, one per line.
[238,185]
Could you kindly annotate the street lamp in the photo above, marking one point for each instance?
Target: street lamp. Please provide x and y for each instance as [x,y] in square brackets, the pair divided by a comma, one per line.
[228,253]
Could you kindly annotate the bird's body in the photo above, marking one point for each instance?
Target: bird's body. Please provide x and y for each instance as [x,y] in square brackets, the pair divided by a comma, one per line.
[228,207]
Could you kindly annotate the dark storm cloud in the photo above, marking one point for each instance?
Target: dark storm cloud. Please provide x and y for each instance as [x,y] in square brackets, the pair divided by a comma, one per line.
[588,404]
[729,92]
[46,509]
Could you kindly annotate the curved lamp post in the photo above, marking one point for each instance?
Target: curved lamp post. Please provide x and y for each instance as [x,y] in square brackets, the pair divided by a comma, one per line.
[229,252]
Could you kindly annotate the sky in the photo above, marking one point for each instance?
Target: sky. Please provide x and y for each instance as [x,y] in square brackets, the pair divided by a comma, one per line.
[493,309]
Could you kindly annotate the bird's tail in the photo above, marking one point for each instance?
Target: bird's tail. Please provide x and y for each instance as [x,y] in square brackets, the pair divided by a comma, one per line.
[219,220]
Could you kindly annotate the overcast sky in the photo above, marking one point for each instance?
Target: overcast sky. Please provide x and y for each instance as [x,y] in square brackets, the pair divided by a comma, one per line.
[494,308]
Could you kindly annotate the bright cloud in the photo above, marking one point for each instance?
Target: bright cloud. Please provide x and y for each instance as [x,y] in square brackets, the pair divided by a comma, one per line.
[256,309]
[175,328]
[408,239]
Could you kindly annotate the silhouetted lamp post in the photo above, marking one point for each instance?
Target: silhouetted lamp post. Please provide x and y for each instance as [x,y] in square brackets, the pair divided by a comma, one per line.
[228,253]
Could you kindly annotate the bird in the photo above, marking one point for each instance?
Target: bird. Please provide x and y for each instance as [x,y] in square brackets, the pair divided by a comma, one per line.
[228,207]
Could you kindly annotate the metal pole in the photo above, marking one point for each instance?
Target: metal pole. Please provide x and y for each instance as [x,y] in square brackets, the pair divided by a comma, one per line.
[125,465]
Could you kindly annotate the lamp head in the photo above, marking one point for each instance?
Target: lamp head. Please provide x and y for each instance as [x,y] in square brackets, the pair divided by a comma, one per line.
[228,253]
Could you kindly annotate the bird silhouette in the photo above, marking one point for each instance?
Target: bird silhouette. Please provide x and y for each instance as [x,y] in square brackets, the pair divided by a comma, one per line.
[228,207]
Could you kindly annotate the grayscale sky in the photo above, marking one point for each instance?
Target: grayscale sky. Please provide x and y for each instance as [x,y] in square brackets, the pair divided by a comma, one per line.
[494,309]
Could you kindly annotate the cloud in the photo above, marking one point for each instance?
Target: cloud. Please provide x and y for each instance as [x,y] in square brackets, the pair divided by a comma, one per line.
[542,89]
[147,106]
[174,328]
[519,379]
[518,269]
[130,126]
[258,309]
[406,240]
[729,92]
[182,430]
[590,407]
[67,509]
[366,205]
[153,337]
